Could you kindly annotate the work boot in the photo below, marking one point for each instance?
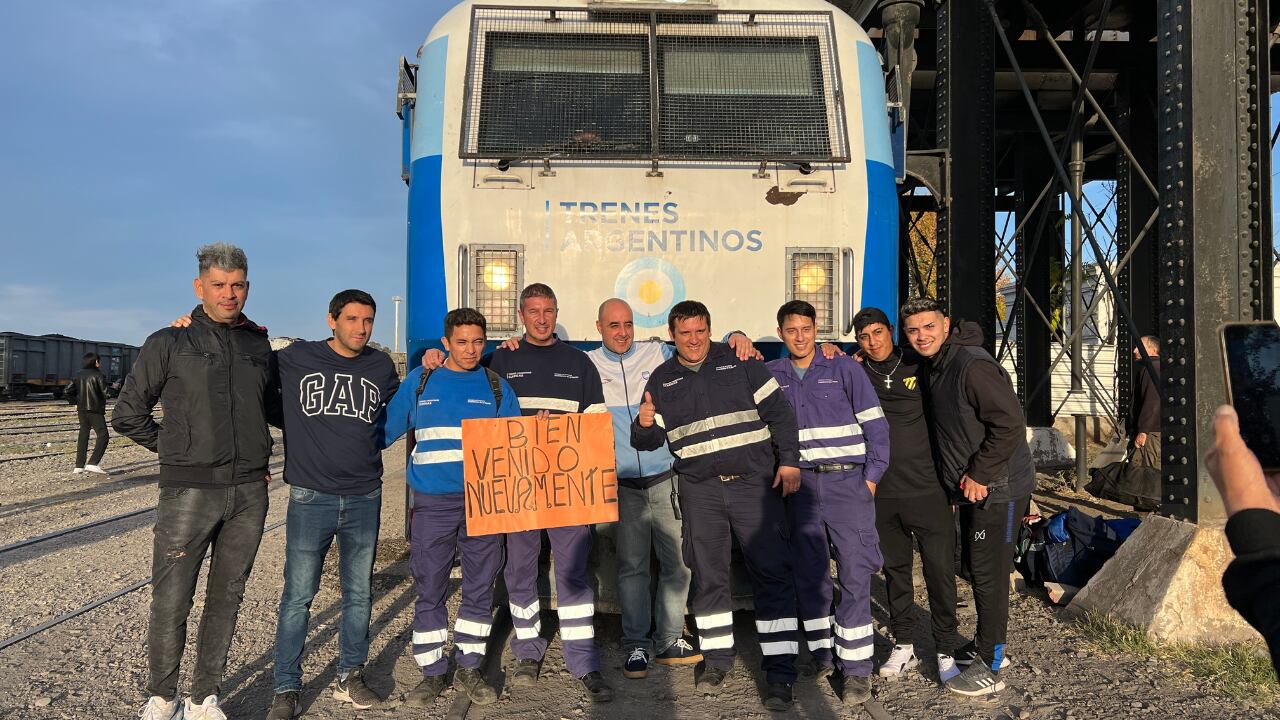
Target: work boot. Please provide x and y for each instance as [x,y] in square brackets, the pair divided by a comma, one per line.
[472,683]
[778,697]
[712,679]
[596,686]
[424,694]
[857,690]
[525,673]
[285,705]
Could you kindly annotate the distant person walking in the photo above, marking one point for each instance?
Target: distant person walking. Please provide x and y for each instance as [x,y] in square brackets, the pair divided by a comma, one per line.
[215,381]
[1143,423]
[88,390]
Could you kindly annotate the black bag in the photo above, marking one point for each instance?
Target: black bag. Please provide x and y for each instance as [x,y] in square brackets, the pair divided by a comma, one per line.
[1126,483]
[1069,547]
[70,391]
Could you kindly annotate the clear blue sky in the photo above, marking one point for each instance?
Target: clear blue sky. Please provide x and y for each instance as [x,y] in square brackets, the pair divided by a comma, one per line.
[135,131]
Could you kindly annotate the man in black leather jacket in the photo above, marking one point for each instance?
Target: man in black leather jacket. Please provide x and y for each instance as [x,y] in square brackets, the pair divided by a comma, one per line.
[89,392]
[215,381]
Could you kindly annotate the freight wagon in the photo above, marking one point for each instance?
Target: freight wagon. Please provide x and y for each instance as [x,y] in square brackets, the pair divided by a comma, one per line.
[47,363]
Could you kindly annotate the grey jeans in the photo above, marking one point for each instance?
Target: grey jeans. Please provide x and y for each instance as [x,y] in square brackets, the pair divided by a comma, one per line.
[647,520]
[188,521]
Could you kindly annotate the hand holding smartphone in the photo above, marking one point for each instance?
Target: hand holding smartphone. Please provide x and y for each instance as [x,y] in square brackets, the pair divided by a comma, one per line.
[1251,358]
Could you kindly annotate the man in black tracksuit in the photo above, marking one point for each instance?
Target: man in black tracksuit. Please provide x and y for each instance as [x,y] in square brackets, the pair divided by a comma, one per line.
[980,449]
[911,504]
[729,426]
[89,393]
[215,381]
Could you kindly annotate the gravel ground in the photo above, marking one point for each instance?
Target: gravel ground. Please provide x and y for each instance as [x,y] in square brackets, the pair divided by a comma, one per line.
[94,665]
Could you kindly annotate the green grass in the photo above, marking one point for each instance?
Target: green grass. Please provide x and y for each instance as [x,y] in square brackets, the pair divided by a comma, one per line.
[1240,670]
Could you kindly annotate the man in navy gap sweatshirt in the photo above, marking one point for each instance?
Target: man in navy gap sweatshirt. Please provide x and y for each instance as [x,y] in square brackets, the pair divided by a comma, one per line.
[458,391]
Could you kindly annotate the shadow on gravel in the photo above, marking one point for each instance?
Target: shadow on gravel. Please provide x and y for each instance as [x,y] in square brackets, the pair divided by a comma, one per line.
[80,495]
[253,699]
[75,540]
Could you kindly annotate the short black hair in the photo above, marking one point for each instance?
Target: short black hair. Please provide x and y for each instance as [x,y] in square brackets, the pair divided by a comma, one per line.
[89,360]
[870,316]
[686,309]
[922,305]
[464,316]
[346,297]
[534,290]
[797,307]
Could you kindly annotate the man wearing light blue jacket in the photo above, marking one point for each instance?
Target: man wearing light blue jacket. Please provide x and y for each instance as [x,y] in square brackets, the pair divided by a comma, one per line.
[647,499]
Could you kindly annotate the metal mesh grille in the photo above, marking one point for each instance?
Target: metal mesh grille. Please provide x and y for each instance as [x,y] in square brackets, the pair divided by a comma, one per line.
[497,274]
[726,86]
[812,278]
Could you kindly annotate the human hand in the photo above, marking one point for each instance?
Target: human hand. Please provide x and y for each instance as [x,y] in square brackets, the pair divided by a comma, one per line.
[743,347]
[830,350]
[543,414]
[181,321]
[1140,440]
[788,478]
[871,486]
[1235,469]
[647,411]
[432,359]
[511,343]
[973,490]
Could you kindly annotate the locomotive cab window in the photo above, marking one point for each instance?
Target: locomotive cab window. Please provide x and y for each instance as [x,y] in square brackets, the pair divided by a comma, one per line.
[564,94]
[742,97]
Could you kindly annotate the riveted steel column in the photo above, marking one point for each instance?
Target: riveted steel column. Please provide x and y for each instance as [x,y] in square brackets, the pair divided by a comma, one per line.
[1036,256]
[965,126]
[1215,251]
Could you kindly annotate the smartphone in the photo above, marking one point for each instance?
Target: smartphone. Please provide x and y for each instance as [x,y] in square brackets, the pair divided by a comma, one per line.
[1251,357]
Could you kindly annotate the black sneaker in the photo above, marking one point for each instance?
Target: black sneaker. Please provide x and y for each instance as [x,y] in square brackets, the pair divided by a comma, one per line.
[285,706]
[857,690]
[424,694]
[966,655]
[778,697]
[596,687]
[472,683]
[680,652]
[637,664]
[525,673]
[352,689]
[976,680]
[711,679]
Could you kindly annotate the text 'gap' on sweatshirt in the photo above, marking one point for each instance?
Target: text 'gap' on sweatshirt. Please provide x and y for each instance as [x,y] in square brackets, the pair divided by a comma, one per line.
[449,398]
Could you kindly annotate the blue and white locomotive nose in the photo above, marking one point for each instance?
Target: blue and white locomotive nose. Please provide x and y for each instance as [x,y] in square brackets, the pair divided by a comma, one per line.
[709,151]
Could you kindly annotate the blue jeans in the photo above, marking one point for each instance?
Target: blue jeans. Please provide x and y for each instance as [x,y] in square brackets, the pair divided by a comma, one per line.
[646,519]
[314,519]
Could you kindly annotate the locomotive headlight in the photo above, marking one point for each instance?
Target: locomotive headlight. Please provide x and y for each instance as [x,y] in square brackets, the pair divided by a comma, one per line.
[811,278]
[498,274]
[496,278]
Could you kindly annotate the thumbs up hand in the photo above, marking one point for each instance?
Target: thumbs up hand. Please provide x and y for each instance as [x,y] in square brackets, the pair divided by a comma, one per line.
[647,411]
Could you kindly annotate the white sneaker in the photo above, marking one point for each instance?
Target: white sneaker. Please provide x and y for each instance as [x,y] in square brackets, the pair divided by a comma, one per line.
[902,659]
[947,668]
[96,469]
[77,471]
[207,710]
[157,708]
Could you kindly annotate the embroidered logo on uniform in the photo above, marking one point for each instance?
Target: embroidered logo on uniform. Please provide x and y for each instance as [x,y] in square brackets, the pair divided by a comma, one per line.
[566,375]
[672,382]
[428,401]
[910,382]
[726,367]
[828,381]
[476,401]
[520,373]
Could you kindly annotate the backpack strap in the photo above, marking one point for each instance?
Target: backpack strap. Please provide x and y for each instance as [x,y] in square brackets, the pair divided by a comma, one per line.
[495,385]
[422,385]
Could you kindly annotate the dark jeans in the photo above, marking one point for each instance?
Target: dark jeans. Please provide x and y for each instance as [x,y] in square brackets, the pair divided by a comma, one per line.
[188,521]
[314,519]
[988,532]
[927,519]
[98,423]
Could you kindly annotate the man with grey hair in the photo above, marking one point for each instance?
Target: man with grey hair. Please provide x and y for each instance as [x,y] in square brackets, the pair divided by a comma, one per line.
[216,382]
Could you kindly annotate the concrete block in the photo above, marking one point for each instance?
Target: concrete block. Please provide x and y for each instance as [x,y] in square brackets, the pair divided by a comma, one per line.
[1167,579]
[1050,449]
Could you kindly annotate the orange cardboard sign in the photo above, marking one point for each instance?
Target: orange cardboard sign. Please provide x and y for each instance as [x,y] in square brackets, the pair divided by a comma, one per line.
[522,473]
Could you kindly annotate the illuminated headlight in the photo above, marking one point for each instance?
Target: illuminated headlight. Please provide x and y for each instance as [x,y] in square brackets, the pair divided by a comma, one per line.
[811,277]
[496,281]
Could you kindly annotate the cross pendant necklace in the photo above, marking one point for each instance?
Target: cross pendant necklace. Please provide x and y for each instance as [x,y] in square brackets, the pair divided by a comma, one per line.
[888,381]
[888,377]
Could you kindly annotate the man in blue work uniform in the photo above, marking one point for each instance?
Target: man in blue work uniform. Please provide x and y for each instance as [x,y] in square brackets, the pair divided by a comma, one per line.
[435,403]
[844,449]
[728,425]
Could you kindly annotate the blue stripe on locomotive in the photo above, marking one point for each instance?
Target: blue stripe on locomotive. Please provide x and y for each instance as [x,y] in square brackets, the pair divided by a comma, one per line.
[880,250]
[424,318]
